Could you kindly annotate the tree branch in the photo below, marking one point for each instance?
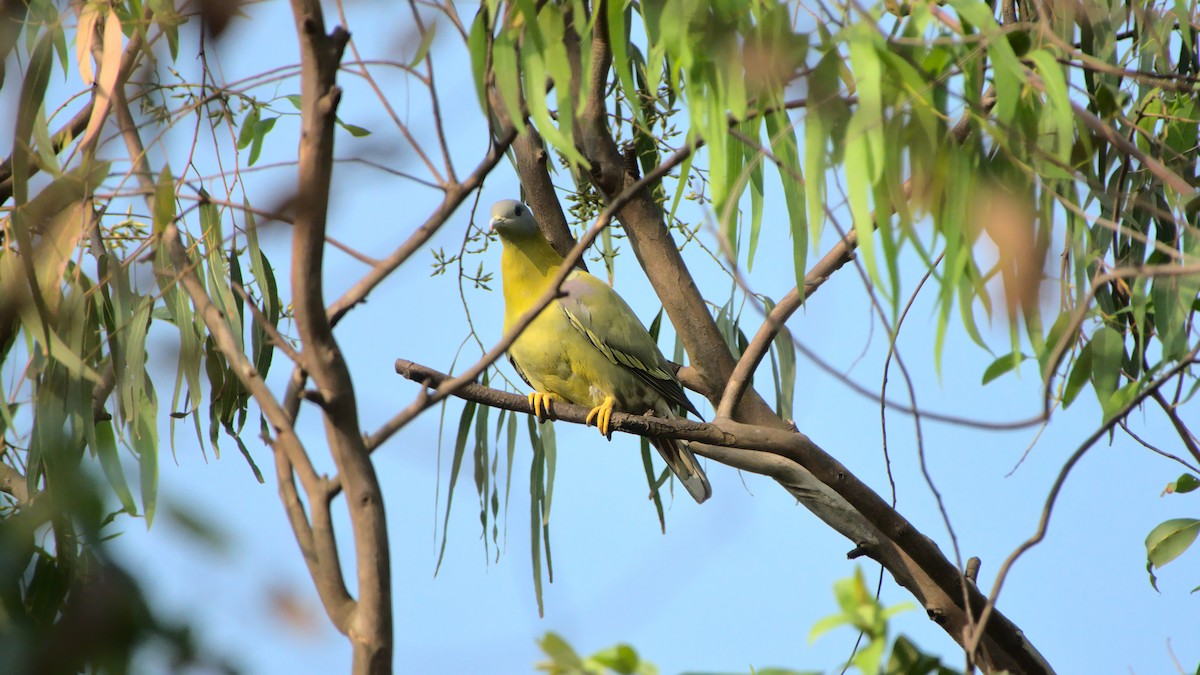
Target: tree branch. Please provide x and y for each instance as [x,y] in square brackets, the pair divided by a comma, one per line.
[316,542]
[772,452]
[370,626]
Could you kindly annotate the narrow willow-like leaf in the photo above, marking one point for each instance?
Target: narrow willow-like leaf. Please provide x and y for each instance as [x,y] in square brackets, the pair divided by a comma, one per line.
[33,91]
[480,456]
[1008,72]
[536,494]
[550,452]
[508,77]
[246,454]
[511,446]
[868,81]
[1001,366]
[756,208]
[460,446]
[655,496]
[144,438]
[535,70]
[423,47]
[786,351]
[103,442]
[618,30]
[971,289]
[783,145]
[132,381]
[477,42]
[1061,117]
[164,201]
[43,144]
[219,289]
[824,87]
[681,185]
[261,344]
[550,21]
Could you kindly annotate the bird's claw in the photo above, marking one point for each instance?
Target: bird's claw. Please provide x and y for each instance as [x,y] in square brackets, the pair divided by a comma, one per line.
[601,415]
[541,402]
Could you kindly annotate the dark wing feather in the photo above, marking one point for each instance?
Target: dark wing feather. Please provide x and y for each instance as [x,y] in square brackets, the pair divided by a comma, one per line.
[517,368]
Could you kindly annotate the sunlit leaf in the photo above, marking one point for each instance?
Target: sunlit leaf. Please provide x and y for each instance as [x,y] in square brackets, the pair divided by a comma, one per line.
[1170,539]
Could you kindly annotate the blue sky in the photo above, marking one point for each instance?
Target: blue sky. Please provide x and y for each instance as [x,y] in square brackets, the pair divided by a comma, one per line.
[734,583]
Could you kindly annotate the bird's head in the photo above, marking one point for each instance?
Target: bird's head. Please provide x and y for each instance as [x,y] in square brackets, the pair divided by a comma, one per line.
[513,220]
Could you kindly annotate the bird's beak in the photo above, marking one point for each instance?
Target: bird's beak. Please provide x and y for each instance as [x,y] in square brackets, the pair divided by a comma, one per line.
[498,220]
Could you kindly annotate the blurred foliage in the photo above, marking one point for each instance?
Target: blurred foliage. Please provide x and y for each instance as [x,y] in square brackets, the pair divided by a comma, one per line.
[859,609]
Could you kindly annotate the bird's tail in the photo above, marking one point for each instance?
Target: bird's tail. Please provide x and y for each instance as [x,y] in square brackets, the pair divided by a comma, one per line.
[683,464]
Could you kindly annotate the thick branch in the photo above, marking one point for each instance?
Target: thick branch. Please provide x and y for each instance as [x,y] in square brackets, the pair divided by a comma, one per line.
[370,626]
[770,452]
[317,544]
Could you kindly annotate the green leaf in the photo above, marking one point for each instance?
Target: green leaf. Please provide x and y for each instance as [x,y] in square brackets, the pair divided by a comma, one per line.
[1008,72]
[355,131]
[560,652]
[621,658]
[33,91]
[261,343]
[104,443]
[1173,295]
[824,87]
[1002,365]
[512,446]
[615,17]
[460,447]
[1080,372]
[1182,485]
[423,48]
[261,129]
[1060,114]
[249,123]
[1108,348]
[536,493]
[783,145]
[164,201]
[655,496]
[477,45]
[144,438]
[1170,539]
[508,77]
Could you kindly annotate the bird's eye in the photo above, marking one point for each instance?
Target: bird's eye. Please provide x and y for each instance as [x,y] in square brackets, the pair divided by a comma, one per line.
[517,211]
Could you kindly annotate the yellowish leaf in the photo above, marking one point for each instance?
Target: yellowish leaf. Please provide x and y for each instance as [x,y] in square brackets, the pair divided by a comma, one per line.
[88,14]
[110,68]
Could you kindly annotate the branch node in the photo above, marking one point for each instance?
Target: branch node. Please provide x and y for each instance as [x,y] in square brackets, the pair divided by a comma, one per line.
[315,396]
[972,571]
[338,39]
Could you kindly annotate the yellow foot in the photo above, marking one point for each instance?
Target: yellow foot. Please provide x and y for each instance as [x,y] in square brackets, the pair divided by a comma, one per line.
[602,414]
[540,402]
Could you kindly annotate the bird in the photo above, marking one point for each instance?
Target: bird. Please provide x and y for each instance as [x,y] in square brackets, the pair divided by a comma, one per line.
[587,346]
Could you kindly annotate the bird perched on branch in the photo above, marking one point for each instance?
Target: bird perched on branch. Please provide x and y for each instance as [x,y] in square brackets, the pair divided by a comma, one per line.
[587,346]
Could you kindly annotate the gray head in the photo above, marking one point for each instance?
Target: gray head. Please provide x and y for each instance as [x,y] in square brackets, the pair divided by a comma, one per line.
[511,218]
